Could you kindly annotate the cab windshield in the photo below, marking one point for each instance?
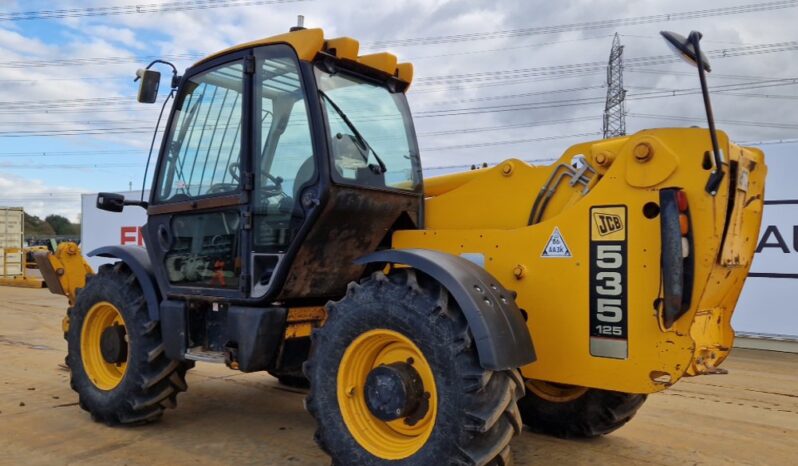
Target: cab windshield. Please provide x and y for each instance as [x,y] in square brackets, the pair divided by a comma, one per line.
[371,133]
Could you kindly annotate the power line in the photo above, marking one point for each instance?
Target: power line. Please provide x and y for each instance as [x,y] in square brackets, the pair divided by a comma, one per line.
[723,92]
[653,93]
[561,70]
[524,94]
[657,94]
[658,38]
[504,49]
[510,126]
[71,78]
[67,102]
[27,166]
[91,153]
[714,75]
[135,9]
[71,122]
[97,60]
[758,124]
[769,142]
[495,77]
[507,141]
[755,49]
[77,132]
[587,26]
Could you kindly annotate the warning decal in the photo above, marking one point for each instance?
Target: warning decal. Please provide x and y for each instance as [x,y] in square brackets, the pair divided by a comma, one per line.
[556,246]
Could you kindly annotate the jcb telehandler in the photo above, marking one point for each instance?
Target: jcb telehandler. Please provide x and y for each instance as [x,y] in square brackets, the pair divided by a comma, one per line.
[289,229]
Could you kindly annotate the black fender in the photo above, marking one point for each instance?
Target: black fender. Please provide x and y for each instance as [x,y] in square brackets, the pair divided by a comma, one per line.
[139,262]
[497,324]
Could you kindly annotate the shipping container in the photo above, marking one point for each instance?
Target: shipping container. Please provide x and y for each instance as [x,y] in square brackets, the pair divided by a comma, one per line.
[12,222]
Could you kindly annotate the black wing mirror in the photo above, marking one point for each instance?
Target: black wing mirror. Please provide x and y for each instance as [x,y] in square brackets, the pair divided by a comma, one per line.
[685,47]
[149,81]
[113,202]
[689,48]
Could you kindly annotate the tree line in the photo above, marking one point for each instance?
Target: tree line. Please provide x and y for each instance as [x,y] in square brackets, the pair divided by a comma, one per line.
[52,225]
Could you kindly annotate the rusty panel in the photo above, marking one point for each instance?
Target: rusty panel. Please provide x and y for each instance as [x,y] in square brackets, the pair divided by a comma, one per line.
[354,223]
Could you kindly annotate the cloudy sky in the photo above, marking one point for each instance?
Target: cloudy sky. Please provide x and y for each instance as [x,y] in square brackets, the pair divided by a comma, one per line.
[522,78]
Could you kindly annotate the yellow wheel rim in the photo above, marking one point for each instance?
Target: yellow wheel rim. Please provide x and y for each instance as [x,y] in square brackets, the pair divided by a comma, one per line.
[392,440]
[555,392]
[103,374]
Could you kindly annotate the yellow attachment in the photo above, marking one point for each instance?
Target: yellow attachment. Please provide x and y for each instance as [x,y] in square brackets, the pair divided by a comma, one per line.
[392,440]
[104,375]
[385,62]
[65,271]
[309,42]
[554,392]
[343,47]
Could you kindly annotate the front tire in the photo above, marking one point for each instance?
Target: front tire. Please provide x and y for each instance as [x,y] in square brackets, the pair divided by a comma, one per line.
[115,352]
[576,412]
[407,323]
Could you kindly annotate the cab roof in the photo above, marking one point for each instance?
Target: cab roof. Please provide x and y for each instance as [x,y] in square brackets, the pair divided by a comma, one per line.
[309,42]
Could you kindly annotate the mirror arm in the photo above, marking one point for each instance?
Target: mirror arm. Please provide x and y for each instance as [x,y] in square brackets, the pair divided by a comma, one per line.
[142,204]
[717,170]
[175,77]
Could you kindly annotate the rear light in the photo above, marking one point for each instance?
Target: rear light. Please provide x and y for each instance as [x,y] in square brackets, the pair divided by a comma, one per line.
[685,247]
[681,201]
[684,224]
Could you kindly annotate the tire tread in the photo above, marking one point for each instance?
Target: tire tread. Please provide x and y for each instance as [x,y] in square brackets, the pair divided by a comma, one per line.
[154,382]
[491,416]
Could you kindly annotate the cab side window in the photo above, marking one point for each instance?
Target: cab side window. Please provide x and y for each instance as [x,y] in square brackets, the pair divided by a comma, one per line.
[284,162]
[204,143]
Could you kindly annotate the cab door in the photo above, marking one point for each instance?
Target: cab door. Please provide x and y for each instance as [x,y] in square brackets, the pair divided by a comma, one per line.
[194,232]
[285,164]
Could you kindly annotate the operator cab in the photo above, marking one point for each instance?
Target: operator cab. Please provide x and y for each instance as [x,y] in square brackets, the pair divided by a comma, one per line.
[284,160]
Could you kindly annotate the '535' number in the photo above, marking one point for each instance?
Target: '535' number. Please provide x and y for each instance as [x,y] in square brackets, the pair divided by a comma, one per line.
[609,287]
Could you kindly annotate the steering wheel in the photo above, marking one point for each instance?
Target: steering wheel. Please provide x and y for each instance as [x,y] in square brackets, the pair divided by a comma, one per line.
[276,188]
[219,188]
[266,192]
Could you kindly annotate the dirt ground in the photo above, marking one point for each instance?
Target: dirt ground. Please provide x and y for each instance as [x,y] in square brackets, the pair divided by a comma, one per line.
[747,417]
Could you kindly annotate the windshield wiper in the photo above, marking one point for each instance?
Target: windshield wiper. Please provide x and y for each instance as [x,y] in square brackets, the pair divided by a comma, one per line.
[357,134]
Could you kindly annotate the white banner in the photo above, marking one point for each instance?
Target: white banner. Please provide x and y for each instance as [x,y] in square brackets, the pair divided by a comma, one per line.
[769,302]
[101,228]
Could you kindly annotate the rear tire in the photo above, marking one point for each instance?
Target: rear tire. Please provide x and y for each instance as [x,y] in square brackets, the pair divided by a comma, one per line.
[475,415]
[147,382]
[293,379]
[580,413]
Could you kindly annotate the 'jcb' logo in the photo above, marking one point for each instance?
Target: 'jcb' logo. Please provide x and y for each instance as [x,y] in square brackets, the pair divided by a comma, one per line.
[607,223]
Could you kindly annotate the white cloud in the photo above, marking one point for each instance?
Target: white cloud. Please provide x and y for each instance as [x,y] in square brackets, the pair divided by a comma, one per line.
[38,198]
